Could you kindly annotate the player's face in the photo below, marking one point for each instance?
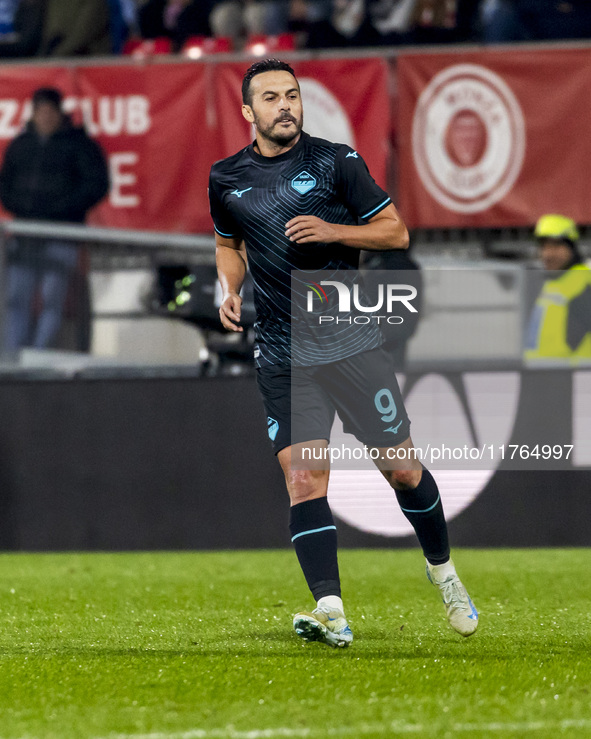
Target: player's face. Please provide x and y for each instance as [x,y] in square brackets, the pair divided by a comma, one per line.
[555,254]
[276,107]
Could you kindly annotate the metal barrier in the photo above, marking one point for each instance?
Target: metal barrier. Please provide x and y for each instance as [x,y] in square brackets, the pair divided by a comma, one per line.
[111,315]
[127,291]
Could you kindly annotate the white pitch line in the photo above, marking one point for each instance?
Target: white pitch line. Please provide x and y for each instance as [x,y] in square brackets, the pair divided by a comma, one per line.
[395,728]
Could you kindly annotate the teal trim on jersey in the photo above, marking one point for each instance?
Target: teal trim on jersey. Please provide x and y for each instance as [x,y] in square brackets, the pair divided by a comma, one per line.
[272,428]
[313,531]
[221,233]
[378,207]
[426,510]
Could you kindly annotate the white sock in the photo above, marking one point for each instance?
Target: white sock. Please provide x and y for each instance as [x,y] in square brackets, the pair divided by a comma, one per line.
[442,572]
[333,602]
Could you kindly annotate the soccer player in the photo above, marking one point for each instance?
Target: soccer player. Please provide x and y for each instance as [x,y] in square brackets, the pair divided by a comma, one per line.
[291,202]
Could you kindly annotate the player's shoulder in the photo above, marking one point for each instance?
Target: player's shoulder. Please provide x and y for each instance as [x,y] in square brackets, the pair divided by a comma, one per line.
[337,148]
[228,164]
[343,157]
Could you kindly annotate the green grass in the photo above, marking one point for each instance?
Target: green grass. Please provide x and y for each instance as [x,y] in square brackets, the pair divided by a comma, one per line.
[200,646]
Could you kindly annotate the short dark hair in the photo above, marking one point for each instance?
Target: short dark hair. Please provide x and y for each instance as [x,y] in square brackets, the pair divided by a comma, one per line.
[265,65]
[48,95]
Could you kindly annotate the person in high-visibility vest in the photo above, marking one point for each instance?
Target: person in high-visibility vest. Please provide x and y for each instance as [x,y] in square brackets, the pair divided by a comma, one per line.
[560,324]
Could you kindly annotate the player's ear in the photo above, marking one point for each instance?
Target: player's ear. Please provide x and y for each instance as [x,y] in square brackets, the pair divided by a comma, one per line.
[247,113]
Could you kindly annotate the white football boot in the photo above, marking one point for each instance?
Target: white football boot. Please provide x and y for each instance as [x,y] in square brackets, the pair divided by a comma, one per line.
[461,613]
[323,625]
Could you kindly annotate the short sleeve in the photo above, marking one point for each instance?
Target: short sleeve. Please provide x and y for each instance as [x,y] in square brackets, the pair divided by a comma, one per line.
[356,187]
[223,222]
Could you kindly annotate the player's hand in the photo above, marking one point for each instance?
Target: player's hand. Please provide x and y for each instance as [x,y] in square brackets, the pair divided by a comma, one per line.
[310,230]
[230,312]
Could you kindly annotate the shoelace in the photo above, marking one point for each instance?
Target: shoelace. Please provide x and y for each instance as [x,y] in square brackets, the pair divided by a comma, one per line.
[452,593]
[339,620]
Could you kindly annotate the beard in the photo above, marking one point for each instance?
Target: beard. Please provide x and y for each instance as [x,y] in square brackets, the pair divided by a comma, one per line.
[279,136]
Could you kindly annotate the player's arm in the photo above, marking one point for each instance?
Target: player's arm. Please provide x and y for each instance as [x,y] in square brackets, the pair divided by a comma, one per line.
[385,230]
[230,256]
[380,226]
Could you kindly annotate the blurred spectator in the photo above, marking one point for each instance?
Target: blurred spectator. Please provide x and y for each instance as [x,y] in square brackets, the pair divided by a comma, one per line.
[393,19]
[445,21]
[535,20]
[76,28]
[7,11]
[349,24]
[25,38]
[304,15]
[176,19]
[309,11]
[123,22]
[499,22]
[394,22]
[52,171]
[238,18]
[560,324]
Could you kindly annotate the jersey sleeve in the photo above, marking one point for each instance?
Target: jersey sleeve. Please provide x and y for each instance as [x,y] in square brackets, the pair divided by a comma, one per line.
[223,221]
[356,187]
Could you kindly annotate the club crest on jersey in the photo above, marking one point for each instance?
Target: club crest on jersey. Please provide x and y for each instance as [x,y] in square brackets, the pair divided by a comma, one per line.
[303,182]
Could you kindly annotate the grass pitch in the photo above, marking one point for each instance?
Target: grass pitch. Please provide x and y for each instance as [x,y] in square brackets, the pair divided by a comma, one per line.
[200,646]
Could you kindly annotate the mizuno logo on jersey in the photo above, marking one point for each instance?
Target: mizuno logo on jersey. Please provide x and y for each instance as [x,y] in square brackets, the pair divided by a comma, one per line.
[394,429]
[240,193]
[353,154]
[303,182]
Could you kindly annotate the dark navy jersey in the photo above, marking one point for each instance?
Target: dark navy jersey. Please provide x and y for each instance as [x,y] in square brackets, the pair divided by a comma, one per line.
[252,197]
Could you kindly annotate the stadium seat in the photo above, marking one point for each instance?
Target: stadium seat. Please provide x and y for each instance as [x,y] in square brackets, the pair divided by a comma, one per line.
[259,45]
[197,46]
[131,45]
[147,47]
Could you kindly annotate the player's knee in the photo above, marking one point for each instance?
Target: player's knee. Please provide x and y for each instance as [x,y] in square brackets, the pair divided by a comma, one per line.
[304,485]
[403,479]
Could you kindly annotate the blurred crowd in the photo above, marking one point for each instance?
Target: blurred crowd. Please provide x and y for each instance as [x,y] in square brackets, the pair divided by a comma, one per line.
[96,27]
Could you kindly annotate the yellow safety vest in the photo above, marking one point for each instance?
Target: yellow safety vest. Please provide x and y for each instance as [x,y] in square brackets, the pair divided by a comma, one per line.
[549,321]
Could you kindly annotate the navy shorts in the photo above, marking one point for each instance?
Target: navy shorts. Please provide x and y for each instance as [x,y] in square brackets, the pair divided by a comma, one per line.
[301,402]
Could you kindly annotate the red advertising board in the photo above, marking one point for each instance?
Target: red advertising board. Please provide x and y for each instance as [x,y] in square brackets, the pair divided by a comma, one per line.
[163,125]
[494,138]
[151,122]
[485,139]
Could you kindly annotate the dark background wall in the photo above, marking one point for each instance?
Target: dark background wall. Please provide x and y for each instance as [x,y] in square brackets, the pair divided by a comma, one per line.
[185,463]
